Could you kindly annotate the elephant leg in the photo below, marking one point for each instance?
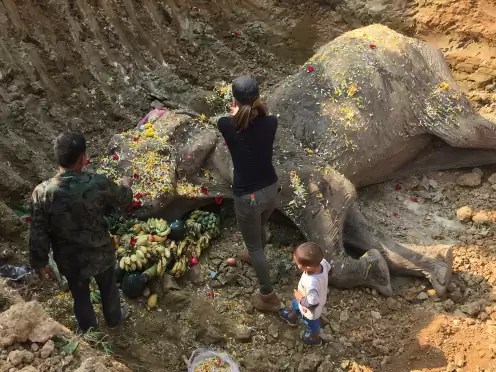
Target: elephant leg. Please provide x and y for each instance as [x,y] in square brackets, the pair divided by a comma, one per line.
[434,263]
[321,219]
[442,156]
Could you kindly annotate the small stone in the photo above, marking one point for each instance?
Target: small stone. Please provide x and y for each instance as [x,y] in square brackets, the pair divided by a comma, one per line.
[448,304]
[481,218]
[492,179]
[472,309]
[422,296]
[459,359]
[464,213]
[345,364]
[68,359]
[327,364]
[243,334]
[18,357]
[326,337]
[375,315]
[35,347]
[344,316]
[335,327]
[29,369]
[385,360]
[478,171]
[393,304]
[493,187]
[273,330]
[469,180]
[483,316]
[310,362]
[47,349]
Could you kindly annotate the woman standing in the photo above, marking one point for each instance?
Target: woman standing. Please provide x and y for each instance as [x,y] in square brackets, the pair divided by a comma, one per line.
[249,133]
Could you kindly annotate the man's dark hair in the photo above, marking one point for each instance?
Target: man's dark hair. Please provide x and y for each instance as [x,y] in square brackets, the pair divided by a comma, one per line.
[309,254]
[68,148]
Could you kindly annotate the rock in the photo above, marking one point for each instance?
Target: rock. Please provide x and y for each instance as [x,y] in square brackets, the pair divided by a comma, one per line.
[18,357]
[422,296]
[472,309]
[460,359]
[385,360]
[326,337]
[344,316]
[393,304]
[243,334]
[469,179]
[456,296]
[464,213]
[481,218]
[483,316]
[326,365]
[478,171]
[310,362]
[345,364]
[27,321]
[448,304]
[273,330]
[209,335]
[492,179]
[335,327]
[29,369]
[493,187]
[35,347]
[47,349]
[375,315]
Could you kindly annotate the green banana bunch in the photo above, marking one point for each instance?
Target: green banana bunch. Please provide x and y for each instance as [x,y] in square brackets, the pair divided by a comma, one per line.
[156,226]
[95,297]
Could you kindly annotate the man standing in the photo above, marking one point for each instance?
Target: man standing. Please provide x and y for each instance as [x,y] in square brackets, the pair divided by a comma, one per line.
[68,216]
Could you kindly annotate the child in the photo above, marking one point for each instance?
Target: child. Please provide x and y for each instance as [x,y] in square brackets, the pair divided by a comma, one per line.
[311,295]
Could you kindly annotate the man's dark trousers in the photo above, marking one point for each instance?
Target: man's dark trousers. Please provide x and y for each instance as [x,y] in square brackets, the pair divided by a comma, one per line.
[83,308]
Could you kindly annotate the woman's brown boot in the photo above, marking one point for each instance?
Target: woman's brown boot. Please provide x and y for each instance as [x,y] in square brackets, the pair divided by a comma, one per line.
[268,302]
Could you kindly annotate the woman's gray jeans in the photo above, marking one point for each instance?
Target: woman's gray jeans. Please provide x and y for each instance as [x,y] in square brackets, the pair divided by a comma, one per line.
[253,212]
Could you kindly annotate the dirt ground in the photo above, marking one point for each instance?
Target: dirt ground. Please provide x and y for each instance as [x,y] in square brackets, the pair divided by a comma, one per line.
[97,65]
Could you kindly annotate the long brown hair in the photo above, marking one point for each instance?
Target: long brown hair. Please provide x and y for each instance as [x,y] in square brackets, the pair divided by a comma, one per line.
[246,114]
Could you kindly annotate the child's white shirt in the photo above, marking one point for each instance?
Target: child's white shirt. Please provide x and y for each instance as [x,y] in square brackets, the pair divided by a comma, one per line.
[314,288]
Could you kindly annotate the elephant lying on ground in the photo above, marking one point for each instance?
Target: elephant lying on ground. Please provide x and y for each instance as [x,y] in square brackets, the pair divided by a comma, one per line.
[369,106]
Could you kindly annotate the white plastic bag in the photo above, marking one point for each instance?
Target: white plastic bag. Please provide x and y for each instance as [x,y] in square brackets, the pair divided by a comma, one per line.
[202,357]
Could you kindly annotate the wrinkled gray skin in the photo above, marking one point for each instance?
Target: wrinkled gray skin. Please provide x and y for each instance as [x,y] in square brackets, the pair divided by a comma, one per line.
[402,124]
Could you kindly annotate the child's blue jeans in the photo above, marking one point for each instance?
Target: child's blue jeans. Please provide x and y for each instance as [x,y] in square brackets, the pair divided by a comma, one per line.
[313,325]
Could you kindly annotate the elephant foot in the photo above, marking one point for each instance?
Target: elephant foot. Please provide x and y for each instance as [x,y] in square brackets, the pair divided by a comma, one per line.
[433,262]
[370,270]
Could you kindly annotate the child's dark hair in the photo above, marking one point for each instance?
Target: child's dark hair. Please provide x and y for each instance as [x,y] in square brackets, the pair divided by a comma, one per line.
[309,254]
[68,148]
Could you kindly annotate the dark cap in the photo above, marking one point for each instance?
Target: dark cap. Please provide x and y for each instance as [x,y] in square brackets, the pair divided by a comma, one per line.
[245,89]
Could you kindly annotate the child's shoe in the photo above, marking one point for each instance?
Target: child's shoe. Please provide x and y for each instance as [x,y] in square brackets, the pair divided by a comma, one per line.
[289,316]
[311,339]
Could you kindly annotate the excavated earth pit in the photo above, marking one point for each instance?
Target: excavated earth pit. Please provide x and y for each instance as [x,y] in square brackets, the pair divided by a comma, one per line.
[96,66]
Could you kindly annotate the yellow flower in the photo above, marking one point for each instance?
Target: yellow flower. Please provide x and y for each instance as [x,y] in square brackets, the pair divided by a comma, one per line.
[203,118]
[149,132]
[148,125]
[444,85]
[352,90]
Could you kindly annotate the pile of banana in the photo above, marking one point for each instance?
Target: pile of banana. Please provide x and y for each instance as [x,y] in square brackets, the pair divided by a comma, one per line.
[145,247]
[201,222]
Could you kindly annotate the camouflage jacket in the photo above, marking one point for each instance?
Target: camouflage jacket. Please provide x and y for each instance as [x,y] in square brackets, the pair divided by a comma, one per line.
[68,215]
